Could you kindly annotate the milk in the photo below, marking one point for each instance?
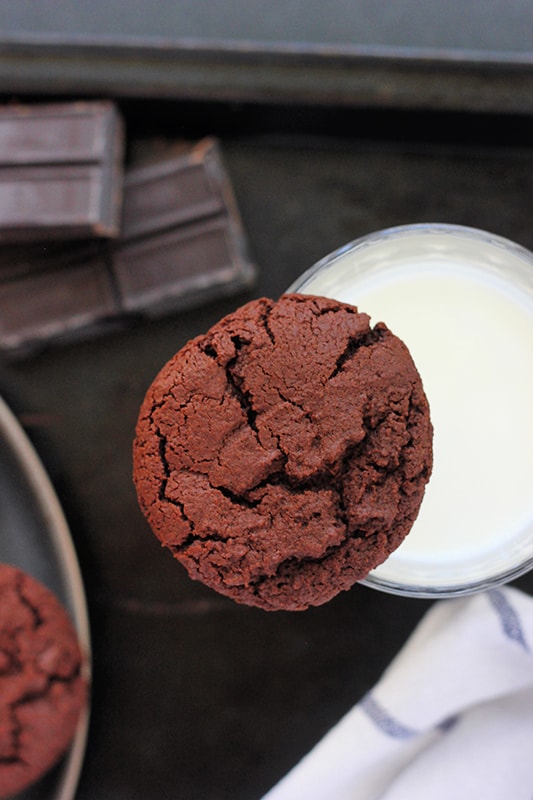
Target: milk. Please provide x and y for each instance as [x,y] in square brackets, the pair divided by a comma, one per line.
[463,304]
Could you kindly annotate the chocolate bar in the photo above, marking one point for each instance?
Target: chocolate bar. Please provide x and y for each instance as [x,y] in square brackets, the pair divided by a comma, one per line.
[60,171]
[182,244]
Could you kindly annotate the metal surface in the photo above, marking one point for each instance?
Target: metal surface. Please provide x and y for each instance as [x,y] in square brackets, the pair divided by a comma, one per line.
[466,28]
[398,53]
[35,537]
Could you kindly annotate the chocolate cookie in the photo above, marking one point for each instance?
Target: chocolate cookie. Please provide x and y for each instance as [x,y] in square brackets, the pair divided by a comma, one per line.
[42,690]
[284,454]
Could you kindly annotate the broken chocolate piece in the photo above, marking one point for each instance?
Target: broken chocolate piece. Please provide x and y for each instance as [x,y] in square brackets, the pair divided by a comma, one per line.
[182,239]
[174,191]
[182,243]
[60,171]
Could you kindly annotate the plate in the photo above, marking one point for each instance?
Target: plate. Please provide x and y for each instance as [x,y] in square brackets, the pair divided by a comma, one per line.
[34,536]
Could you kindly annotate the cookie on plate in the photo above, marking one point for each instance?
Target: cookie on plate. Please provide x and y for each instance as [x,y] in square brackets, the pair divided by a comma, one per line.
[284,454]
[42,686]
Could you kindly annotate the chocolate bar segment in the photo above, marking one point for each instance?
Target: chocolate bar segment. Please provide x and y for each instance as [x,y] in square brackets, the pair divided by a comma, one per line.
[60,171]
[55,304]
[180,267]
[173,191]
[182,237]
[58,133]
[20,260]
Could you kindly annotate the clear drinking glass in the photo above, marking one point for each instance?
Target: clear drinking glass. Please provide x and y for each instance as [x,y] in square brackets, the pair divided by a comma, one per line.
[462,301]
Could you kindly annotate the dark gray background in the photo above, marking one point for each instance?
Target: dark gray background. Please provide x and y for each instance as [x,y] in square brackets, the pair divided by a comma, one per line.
[493,28]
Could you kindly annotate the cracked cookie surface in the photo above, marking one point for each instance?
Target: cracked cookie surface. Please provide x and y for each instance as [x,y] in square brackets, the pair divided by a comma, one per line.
[284,454]
[42,689]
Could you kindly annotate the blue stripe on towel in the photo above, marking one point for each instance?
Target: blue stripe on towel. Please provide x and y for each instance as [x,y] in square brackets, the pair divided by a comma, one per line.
[448,723]
[509,619]
[384,721]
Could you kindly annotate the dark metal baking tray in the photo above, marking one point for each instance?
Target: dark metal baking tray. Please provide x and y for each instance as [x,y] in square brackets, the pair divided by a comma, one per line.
[462,54]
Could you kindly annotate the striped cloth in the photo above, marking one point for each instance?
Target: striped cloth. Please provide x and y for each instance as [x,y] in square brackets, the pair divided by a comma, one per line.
[452,716]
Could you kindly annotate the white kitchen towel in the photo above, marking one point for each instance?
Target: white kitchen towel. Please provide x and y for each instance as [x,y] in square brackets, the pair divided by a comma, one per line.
[451,717]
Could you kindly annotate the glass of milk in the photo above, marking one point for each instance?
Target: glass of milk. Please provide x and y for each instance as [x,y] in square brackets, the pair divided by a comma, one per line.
[462,301]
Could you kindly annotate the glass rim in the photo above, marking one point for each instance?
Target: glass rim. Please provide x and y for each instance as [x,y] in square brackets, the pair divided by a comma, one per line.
[447,590]
[407,230]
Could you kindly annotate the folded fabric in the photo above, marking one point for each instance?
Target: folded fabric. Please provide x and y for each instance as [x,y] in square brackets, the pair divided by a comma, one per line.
[452,716]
